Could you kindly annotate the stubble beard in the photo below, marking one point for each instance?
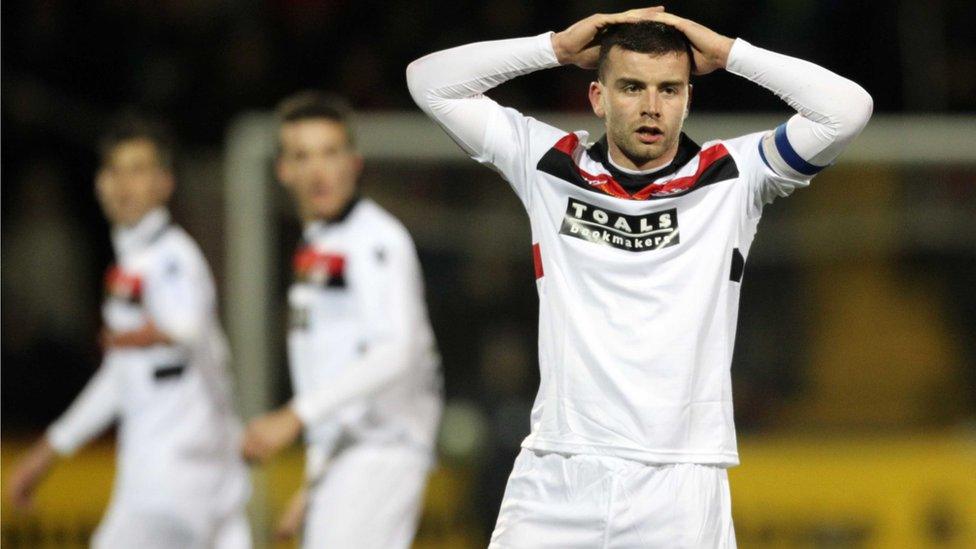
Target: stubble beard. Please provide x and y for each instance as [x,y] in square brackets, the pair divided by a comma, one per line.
[638,153]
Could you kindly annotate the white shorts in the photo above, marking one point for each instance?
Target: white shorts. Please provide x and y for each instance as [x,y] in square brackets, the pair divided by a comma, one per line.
[369,497]
[576,501]
[128,526]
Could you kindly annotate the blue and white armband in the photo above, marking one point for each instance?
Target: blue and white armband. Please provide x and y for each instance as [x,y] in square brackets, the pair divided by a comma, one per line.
[779,155]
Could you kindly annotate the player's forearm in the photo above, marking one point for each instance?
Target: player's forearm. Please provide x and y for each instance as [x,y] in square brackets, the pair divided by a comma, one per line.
[470,70]
[147,336]
[183,330]
[832,109]
[448,85]
[381,367]
[90,413]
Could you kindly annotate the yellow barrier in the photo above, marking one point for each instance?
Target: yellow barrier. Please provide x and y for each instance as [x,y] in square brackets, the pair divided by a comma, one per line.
[890,492]
[886,492]
[70,502]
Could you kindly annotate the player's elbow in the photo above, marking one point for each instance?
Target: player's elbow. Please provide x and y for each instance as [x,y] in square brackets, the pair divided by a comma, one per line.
[424,88]
[184,332]
[861,107]
[857,108]
[415,84]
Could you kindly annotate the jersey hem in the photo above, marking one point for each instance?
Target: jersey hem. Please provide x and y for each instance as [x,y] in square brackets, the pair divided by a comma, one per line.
[722,459]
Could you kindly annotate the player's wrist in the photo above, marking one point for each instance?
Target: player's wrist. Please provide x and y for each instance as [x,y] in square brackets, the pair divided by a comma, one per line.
[301,409]
[739,53]
[557,40]
[724,50]
[57,442]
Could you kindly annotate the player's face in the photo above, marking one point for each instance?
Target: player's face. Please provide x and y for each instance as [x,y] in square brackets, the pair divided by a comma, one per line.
[319,166]
[644,99]
[132,181]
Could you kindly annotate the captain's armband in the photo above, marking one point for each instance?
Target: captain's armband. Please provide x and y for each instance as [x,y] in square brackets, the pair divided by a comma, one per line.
[780,156]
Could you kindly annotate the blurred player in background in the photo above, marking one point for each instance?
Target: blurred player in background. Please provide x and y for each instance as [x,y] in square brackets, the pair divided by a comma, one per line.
[632,428]
[180,482]
[364,365]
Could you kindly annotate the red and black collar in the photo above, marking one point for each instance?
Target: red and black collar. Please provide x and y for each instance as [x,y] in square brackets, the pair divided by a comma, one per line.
[715,164]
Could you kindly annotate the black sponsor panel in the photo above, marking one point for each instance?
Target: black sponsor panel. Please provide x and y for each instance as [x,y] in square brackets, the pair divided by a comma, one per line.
[634,233]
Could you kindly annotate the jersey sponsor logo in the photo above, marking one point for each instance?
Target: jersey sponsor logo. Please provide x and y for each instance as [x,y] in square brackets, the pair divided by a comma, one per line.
[634,233]
[122,285]
[320,268]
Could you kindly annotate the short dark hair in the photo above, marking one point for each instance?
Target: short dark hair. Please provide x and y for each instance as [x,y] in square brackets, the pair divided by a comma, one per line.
[131,125]
[644,37]
[312,104]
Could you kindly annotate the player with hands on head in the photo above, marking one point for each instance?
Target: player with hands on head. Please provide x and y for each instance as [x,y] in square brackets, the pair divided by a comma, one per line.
[180,482]
[640,241]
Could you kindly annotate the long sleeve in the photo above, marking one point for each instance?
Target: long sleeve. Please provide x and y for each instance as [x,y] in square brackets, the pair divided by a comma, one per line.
[448,85]
[399,315]
[92,411]
[831,110]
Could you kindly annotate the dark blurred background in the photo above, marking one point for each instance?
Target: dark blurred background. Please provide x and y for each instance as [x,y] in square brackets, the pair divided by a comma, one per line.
[858,307]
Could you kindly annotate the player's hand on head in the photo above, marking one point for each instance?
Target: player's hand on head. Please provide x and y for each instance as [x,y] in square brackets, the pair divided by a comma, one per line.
[578,44]
[710,49]
[269,434]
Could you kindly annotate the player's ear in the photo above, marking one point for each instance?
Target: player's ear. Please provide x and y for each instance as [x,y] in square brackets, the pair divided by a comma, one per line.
[596,99]
[102,179]
[167,184]
[282,172]
[357,164]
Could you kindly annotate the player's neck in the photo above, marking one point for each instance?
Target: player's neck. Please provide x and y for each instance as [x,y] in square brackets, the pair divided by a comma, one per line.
[627,165]
[339,216]
[127,238]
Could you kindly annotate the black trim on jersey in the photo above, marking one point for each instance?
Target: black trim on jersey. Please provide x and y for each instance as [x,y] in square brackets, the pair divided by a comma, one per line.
[346,210]
[631,182]
[561,165]
[172,371]
[333,282]
[738,266]
[159,233]
[336,282]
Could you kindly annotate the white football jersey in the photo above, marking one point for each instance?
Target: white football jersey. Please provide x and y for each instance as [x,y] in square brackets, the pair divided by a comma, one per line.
[178,441]
[357,294]
[638,279]
[638,274]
